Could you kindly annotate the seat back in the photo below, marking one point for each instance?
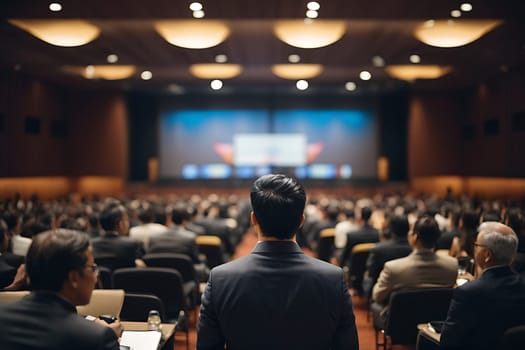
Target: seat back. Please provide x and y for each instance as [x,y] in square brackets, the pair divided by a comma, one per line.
[12,296]
[103,302]
[113,262]
[325,249]
[104,278]
[513,338]
[410,307]
[357,264]
[137,306]
[179,262]
[211,247]
[165,283]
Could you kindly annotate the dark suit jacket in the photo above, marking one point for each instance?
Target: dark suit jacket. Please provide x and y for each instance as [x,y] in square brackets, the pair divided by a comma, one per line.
[276,298]
[390,249]
[44,321]
[111,245]
[366,234]
[483,309]
[14,259]
[176,240]
[217,227]
[7,273]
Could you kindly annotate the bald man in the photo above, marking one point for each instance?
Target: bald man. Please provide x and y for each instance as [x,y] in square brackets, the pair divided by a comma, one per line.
[483,309]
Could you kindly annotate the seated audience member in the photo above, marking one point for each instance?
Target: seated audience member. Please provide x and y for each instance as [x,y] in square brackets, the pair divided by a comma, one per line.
[148,228]
[481,310]
[277,297]
[395,247]
[421,269]
[217,226]
[463,245]
[342,228]
[7,271]
[62,272]
[19,244]
[445,240]
[364,234]
[114,243]
[179,240]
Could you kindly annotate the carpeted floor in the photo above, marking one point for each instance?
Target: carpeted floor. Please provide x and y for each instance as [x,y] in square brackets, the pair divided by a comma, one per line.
[364,326]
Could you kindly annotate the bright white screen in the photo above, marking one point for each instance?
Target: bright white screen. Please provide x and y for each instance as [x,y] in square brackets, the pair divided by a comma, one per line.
[274,149]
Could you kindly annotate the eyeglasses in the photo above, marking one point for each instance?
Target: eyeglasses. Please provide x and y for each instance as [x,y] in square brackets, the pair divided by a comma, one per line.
[93,267]
[480,245]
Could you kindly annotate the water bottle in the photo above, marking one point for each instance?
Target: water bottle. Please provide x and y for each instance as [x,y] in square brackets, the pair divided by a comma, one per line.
[154,320]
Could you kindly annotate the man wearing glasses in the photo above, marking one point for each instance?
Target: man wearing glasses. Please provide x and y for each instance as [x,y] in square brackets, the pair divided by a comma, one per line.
[62,275]
[483,309]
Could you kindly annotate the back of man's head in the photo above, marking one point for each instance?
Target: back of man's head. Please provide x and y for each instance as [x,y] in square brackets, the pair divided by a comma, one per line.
[52,255]
[501,240]
[179,214]
[399,225]
[111,215]
[366,213]
[427,230]
[278,203]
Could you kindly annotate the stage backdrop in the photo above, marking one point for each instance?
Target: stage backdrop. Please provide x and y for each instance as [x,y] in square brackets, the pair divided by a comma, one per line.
[245,143]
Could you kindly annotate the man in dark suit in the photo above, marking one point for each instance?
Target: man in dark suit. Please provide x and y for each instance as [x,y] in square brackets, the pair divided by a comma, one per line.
[395,247]
[483,309]
[7,271]
[62,272]
[114,249]
[276,297]
[365,234]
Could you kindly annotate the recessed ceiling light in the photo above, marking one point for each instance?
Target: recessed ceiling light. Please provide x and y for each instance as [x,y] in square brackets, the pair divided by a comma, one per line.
[313,5]
[112,58]
[146,75]
[365,75]
[198,14]
[195,6]
[415,58]
[216,84]
[466,7]
[293,58]
[301,84]
[312,14]
[378,61]
[55,7]
[221,58]
[350,86]
[455,13]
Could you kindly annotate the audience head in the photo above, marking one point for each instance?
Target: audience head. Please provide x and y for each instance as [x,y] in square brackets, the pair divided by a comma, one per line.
[469,220]
[496,244]
[399,225]
[515,219]
[426,232]
[366,213]
[4,236]
[179,214]
[114,217]
[62,261]
[278,203]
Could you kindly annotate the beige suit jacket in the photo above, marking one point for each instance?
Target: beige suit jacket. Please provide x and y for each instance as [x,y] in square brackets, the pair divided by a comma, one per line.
[420,269]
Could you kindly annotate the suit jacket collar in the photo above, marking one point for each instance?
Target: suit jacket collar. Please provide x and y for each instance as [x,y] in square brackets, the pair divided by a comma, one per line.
[50,297]
[277,247]
[497,271]
[111,234]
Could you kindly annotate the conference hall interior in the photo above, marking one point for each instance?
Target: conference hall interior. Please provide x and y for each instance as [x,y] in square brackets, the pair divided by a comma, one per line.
[401,107]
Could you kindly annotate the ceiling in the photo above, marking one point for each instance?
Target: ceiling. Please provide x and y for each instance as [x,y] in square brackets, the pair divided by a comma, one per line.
[373,28]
